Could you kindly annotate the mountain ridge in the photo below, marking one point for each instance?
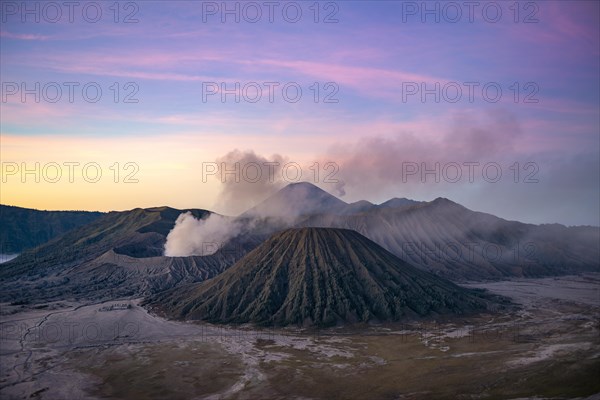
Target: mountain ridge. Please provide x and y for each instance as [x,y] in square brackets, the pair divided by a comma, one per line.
[425,235]
[108,257]
[25,228]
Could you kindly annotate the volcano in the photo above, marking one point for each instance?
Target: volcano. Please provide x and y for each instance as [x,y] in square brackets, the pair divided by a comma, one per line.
[297,199]
[318,276]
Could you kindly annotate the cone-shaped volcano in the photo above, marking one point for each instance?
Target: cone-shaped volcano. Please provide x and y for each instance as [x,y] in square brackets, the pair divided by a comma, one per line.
[319,276]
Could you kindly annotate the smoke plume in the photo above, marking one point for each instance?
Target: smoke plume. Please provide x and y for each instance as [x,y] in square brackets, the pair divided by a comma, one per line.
[257,178]
[200,237]
[373,164]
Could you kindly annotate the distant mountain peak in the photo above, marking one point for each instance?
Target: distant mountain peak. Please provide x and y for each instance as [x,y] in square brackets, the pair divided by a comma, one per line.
[158,208]
[303,184]
[398,202]
[297,199]
[444,201]
[363,202]
[305,187]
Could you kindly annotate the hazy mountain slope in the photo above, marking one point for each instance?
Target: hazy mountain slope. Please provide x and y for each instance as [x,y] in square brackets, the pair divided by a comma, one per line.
[358,206]
[318,276]
[113,276]
[112,230]
[25,228]
[120,254]
[364,206]
[398,202]
[452,241]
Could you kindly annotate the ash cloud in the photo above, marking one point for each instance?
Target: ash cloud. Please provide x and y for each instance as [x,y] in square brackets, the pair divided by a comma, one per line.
[246,179]
[372,164]
[565,188]
[258,177]
[371,167]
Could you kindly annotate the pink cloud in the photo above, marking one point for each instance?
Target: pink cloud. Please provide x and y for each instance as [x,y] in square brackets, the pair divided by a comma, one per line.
[374,81]
[560,23]
[140,64]
[22,36]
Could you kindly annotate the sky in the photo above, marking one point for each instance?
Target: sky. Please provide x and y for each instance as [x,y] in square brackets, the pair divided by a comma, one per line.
[215,105]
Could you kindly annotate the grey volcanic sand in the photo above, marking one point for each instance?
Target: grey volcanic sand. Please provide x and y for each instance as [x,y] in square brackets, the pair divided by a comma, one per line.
[550,349]
[584,289]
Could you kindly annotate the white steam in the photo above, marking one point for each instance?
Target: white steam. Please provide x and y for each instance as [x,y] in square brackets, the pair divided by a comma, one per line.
[199,237]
